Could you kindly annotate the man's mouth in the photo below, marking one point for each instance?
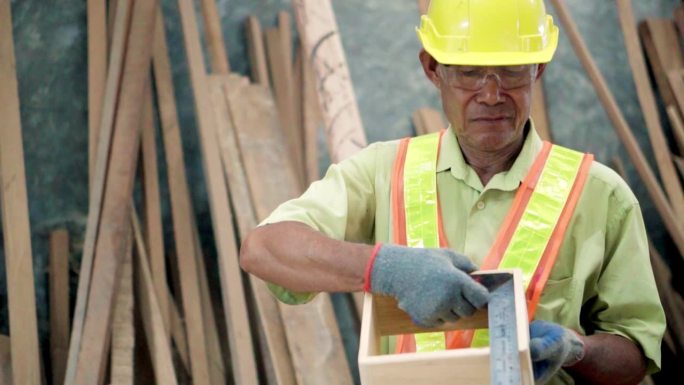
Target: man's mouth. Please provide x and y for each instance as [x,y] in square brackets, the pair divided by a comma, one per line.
[495,118]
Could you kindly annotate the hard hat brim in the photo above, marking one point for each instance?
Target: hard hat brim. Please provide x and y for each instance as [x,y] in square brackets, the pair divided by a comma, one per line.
[492,58]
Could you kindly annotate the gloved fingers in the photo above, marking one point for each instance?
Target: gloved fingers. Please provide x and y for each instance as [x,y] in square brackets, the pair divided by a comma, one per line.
[459,261]
[474,293]
[462,307]
[450,316]
[544,348]
[542,372]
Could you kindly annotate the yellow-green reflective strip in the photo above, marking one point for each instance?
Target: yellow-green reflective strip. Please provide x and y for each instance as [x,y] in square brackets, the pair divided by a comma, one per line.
[430,342]
[539,219]
[420,191]
[420,206]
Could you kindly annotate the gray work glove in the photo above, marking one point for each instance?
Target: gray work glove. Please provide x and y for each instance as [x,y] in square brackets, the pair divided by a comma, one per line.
[551,347]
[431,285]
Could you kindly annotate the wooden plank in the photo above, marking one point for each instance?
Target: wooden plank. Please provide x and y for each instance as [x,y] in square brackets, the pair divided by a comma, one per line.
[676,82]
[123,331]
[15,217]
[116,59]
[312,332]
[178,333]
[111,246]
[153,215]
[649,108]
[623,131]
[423,6]
[181,213]
[59,303]
[239,333]
[217,370]
[538,112]
[5,361]
[470,366]
[214,36]
[281,73]
[679,161]
[274,349]
[97,74]
[321,40]
[298,107]
[178,190]
[257,52]
[661,44]
[677,127]
[153,320]
[311,119]
[428,120]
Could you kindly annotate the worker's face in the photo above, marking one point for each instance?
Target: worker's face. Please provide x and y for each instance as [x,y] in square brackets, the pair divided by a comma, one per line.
[490,115]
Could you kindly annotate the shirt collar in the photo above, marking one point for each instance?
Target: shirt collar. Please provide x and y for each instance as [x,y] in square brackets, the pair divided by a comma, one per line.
[451,158]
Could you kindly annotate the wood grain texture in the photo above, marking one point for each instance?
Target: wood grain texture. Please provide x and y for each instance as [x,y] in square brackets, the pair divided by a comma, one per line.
[661,150]
[116,60]
[321,40]
[623,131]
[214,36]
[232,291]
[123,330]
[312,331]
[59,303]
[153,322]
[153,215]
[97,74]
[16,230]
[115,222]
[274,349]
[257,53]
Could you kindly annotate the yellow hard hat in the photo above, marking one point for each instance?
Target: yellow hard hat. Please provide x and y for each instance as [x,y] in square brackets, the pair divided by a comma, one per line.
[488,32]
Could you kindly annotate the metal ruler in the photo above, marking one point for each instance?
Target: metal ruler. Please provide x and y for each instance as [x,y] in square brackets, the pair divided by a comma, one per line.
[503,334]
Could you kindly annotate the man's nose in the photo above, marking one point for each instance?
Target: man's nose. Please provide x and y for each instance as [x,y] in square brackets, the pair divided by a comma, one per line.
[490,93]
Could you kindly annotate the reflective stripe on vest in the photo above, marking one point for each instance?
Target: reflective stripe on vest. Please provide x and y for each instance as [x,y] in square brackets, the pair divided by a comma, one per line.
[529,238]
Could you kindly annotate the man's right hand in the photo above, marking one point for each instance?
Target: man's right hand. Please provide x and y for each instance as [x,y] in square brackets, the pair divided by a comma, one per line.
[431,285]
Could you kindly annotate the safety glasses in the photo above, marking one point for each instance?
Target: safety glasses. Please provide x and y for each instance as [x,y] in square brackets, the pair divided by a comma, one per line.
[473,78]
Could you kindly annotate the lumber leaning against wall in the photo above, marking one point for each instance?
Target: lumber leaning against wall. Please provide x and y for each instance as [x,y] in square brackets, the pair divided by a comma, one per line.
[21,297]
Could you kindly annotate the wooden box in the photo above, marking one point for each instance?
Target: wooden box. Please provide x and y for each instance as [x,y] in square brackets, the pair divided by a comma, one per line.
[381,317]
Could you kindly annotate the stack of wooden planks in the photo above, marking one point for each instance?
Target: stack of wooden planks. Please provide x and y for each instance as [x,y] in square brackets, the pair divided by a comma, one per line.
[661,39]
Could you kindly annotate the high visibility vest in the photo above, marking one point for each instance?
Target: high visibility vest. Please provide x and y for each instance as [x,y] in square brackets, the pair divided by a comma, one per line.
[529,238]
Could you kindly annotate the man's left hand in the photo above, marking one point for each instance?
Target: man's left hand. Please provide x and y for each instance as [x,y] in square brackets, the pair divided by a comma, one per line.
[553,346]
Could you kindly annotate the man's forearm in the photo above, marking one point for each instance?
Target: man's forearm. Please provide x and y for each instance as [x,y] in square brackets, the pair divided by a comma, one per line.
[609,359]
[297,257]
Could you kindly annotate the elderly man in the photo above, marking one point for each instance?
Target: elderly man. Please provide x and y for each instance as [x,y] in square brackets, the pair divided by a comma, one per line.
[486,193]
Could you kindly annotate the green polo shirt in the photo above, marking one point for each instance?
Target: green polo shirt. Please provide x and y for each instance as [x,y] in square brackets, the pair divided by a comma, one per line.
[601,282]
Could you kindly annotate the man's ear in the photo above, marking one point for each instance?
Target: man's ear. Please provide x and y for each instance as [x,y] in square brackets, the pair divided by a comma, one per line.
[429,67]
[540,70]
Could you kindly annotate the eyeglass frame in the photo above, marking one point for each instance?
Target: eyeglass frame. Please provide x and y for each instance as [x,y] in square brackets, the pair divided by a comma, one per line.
[450,75]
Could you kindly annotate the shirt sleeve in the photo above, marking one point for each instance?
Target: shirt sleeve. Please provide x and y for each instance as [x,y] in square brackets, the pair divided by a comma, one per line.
[627,302]
[341,206]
